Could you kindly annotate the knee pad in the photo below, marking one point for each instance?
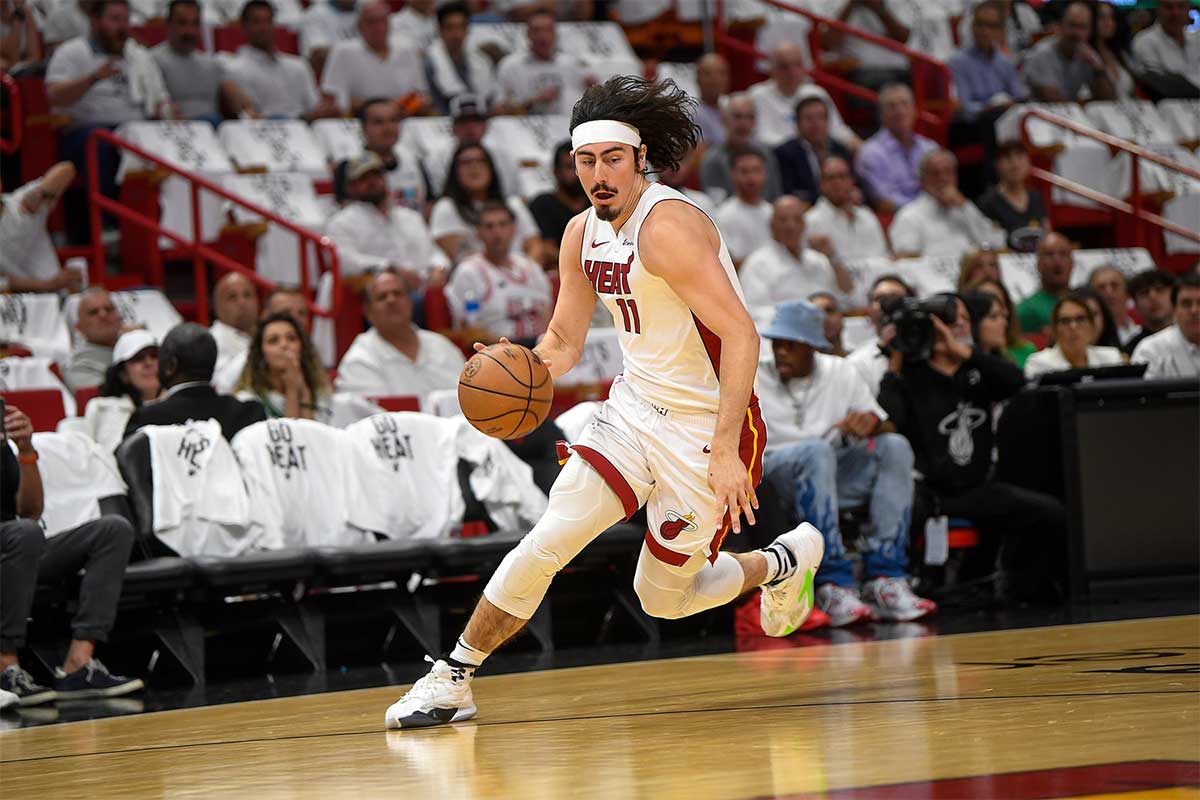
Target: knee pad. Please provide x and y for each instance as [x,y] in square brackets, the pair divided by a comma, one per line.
[662,593]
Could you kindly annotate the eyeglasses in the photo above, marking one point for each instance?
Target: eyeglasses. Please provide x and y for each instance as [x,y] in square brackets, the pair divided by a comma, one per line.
[462,162]
[1070,322]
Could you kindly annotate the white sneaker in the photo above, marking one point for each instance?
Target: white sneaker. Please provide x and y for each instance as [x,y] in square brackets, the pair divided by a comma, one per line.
[441,697]
[842,605]
[8,699]
[893,600]
[788,603]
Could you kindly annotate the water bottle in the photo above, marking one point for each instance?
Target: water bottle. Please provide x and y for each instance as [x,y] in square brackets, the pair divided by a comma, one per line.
[470,310]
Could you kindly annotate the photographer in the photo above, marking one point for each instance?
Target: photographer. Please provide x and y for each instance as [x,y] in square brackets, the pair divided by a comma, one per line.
[943,404]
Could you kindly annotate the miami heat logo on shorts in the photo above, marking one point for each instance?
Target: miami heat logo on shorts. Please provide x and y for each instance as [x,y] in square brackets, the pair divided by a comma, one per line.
[676,523]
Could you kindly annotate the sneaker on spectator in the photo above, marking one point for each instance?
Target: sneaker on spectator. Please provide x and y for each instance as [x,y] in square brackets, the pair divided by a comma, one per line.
[93,680]
[842,605]
[893,600]
[19,682]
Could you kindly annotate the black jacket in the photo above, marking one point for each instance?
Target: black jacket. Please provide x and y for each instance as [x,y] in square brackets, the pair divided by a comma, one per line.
[199,402]
[795,173]
[948,419]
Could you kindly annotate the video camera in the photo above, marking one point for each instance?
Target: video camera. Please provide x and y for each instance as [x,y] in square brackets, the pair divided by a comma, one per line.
[912,317]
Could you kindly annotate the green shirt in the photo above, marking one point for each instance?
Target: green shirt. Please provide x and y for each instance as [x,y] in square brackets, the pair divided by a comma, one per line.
[1034,311]
[1023,350]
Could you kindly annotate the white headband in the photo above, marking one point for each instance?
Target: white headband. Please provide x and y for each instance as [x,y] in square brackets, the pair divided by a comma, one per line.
[605,130]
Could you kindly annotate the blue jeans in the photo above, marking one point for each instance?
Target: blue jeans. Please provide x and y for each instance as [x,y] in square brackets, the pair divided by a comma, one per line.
[821,478]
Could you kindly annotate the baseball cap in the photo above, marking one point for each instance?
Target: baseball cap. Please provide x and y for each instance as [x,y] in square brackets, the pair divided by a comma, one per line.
[467,106]
[363,165]
[132,343]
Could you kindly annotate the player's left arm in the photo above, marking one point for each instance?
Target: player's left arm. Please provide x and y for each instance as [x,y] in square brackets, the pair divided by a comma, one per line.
[679,244]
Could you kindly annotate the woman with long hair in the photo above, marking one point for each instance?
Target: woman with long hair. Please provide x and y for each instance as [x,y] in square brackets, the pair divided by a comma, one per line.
[1073,326]
[130,381]
[471,182]
[283,372]
[1110,39]
[1003,341]
[1106,333]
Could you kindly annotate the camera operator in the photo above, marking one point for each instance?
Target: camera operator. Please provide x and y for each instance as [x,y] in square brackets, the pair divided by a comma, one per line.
[943,404]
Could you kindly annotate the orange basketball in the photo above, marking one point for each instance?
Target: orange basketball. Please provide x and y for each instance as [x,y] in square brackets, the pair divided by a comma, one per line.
[505,391]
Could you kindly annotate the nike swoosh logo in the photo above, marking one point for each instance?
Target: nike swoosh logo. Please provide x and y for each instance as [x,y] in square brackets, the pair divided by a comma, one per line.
[706,449]
[599,244]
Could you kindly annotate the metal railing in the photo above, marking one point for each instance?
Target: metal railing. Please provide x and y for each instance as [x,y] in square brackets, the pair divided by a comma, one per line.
[16,115]
[201,252]
[938,121]
[1136,153]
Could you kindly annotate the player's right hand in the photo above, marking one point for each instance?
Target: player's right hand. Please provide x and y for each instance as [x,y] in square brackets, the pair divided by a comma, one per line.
[730,482]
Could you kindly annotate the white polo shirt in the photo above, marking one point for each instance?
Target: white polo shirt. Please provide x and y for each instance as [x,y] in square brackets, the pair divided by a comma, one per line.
[368,239]
[809,407]
[279,85]
[352,70]
[375,368]
[773,275]
[744,227]
[776,120]
[1168,355]
[1154,51]
[855,235]
[925,228]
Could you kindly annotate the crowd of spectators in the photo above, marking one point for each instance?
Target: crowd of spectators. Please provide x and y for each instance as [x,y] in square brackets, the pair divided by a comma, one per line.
[798,195]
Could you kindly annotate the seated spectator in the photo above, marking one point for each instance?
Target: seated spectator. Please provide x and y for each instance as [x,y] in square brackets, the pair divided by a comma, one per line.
[20,39]
[281,300]
[1011,205]
[395,357]
[470,182]
[835,321]
[744,219]
[945,407]
[977,266]
[236,307]
[783,269]
[100,326]
[985,78]
[553,210]
[1167,49]
[851,229]
[1175,351]
[380,118]
[876,66]
[1151,292]
[186,360]
[283,373]
[130,382]
[371,66]
[1055,262]
[470,126]
[373,234]
[1110,40]
[940,221]
[1061,66]
[712,79]
[1104,328]
[416,24]
[28,260]
[1021,24]
[717,161]
[196,81]
[497,290]
[540,79]
[324,24]
[100,548]
[101,81]
[1109,282]
[776,99]
[888,161]
[871,359]
[450,66]
[831,447]
[280,86]
[993,324]
[800,158]
[1074,330]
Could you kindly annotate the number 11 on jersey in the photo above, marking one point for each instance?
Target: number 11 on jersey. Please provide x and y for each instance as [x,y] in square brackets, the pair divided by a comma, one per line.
[633,323]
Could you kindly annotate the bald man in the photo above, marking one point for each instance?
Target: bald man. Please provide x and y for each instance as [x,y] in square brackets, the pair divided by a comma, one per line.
[235,301]
[712,78]
[370,66]
[784,269]
[775,100]
[1055,262]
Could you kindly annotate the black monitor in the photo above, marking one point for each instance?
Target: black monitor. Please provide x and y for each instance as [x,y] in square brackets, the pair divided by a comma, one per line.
[1069,377]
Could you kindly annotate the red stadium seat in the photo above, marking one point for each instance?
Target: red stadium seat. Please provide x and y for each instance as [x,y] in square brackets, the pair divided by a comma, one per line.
[228,38]
[82,396]
[43,406]
[398,402]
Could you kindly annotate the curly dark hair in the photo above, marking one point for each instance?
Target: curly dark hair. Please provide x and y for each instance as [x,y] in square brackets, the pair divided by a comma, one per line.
[663,113]
[256,375]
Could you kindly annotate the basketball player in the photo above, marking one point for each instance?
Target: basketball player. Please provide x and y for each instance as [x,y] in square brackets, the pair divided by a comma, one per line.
[680,431]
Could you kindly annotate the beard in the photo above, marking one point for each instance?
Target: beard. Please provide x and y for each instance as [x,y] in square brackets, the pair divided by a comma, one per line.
[375,198]
[606,213]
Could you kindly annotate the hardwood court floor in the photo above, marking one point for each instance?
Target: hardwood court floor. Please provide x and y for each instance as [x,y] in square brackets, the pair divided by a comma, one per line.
[1107,709]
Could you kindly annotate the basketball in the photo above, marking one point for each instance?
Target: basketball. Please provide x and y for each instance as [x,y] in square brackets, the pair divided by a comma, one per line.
[505,391]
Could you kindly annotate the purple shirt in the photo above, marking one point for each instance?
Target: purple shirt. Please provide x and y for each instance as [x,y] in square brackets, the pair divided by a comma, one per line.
[889,170]
[979,76]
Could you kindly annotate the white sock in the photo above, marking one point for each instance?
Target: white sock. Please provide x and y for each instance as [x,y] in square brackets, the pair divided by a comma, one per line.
[781,563]
[463,655]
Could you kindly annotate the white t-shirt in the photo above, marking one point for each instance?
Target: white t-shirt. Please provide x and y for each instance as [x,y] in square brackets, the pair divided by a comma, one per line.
[25,247]
[108,102]
[776,122]
[232,345]
[412,28]
[353,71]
[929,33]
[924,228]
[105,419]
[513,302]
[856,236]
[445,220]
[1053,360]
[521,77]
[871,364]
[375,368]
[1168,355]
[1155,51]
[324,24]
[772,275]
[745,227]
[279,85]
[808,407]
[367,239]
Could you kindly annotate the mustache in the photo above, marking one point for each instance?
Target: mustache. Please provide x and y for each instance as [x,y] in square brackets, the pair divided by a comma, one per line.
[603,187]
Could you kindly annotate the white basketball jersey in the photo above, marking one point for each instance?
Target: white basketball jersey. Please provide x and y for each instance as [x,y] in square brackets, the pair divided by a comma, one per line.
[671,358]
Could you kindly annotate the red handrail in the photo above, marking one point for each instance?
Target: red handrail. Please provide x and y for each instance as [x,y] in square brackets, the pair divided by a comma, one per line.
[201,251]
[1136,152]
[16,117]
[939,121]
